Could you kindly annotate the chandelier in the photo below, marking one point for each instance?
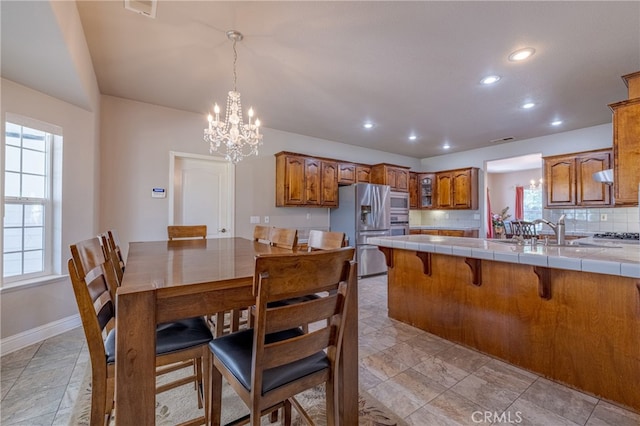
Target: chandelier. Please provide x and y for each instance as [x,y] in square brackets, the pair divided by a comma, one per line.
[231,137]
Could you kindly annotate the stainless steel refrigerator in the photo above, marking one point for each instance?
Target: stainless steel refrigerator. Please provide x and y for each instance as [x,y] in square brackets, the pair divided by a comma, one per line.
[363,212]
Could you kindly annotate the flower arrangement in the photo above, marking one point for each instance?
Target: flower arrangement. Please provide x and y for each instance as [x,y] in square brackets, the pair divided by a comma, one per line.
[497,219]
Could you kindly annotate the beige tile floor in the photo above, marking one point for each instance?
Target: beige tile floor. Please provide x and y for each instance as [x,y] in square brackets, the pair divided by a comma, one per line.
[422,378]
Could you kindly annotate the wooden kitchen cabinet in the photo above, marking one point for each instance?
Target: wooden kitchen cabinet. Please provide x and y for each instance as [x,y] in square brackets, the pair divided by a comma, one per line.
[363,173]
[426,190]
[299,181]
[470,233]
[329,184]
[457,189]
[626,144]
[568,179]
[397,177]
[413,190]
[346,173]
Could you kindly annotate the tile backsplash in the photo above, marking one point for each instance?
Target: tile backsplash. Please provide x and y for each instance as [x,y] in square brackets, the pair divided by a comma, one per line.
[619,219]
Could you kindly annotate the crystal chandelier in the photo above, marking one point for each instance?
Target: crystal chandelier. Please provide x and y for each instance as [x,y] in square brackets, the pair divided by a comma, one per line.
[231,137]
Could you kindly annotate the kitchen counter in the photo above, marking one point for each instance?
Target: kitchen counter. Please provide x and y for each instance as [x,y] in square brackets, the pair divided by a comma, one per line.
[623,261]
[473,228]
[571,314]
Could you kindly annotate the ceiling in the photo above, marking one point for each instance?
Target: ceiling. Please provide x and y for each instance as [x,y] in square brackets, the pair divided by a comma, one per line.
[322,68]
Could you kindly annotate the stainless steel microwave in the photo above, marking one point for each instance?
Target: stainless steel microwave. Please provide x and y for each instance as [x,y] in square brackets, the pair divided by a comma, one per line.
[399,202]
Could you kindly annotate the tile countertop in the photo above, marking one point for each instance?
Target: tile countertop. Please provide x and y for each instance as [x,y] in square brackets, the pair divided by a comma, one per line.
[623,259]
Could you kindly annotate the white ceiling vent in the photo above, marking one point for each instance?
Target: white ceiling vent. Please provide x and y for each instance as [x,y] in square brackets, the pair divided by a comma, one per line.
[142,7]
[501,140]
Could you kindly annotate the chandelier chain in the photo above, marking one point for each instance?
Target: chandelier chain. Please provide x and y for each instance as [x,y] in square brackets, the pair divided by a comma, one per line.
[235,59]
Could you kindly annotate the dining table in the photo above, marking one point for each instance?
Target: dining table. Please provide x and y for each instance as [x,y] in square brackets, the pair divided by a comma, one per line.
[168,280]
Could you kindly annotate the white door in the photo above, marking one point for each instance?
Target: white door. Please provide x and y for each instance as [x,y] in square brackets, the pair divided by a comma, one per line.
[202,193]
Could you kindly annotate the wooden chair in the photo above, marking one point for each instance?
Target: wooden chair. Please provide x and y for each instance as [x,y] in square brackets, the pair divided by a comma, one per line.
[270,363]
[92,276]
[262,234]
[523,228]
[186,231]
[111,249]
[325,240]
[284,237]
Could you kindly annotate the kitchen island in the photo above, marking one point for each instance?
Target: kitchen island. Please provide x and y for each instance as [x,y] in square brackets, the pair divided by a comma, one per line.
[571,314]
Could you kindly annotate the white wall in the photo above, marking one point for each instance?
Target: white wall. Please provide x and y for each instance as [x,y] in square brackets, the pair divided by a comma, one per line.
[136,139]
[502,188]
[30,307]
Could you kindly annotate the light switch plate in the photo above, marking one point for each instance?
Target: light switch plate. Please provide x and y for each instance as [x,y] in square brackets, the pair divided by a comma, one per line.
[254,219]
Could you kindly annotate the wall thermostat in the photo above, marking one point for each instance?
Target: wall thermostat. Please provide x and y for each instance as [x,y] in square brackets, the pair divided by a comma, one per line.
[158,193]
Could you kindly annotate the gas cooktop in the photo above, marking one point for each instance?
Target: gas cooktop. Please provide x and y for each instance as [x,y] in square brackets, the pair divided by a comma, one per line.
[631,236]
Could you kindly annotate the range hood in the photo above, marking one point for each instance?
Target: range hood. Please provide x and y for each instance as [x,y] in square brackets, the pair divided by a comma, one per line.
[605,176]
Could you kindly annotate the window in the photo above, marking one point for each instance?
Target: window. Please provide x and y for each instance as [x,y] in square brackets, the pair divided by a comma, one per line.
[28,207]
[532,204]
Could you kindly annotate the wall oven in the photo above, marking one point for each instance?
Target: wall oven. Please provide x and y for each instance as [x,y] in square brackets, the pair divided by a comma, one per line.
[399,224]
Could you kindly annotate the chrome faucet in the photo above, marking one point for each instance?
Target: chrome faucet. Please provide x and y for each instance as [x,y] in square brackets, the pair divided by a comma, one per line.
[558,228]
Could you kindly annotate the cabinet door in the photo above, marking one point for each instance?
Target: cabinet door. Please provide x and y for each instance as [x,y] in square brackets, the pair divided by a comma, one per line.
[430,232]
[402,180]
[312,181]
[588,191]
[329,184]
[560,184]
[444,190]
[414,193]
[461,184]
[626,152]
[346,173]
[391,177]
[363,174]
[294,190]
[451,232]
[426,190]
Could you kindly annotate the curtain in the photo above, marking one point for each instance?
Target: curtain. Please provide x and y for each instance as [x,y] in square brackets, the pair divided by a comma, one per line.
[489,218]
[519,202]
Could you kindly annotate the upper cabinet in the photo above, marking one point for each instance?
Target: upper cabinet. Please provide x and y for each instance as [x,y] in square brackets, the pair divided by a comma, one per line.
[397,177]
[426,190]
[569,179]
[305,181]
[413,190]
[626,144]
[457,189]
[350,173]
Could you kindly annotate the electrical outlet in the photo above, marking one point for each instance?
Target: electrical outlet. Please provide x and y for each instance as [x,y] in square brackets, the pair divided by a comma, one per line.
[603,217]
[266,219]
[308,216]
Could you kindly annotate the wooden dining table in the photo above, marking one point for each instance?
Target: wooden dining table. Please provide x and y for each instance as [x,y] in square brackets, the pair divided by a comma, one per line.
[168,280]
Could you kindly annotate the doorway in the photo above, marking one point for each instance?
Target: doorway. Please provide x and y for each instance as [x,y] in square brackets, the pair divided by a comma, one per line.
[202,193]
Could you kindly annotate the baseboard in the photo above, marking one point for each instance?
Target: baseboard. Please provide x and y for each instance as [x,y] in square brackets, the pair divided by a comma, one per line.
[38,334]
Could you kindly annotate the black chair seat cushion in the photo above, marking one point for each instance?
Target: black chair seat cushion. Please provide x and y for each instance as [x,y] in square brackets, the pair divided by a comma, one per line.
[170,337]
[235,352]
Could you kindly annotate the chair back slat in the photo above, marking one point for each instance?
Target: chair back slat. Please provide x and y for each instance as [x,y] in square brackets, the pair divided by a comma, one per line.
[262,234]
[325,240]
[284,237]
[277,354]
[523,228]
[186,231]
[313,310]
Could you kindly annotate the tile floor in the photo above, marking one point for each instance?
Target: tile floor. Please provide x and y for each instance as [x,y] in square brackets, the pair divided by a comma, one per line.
[422,378]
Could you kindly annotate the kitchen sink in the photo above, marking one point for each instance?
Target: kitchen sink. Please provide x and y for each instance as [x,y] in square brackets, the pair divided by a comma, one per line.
[553,243]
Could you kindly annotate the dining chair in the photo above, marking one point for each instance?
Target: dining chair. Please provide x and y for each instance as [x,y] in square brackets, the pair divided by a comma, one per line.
[92,276]
[186,231]
[262,234]
[524,229]
[269,364]
[325,240]
[284,237]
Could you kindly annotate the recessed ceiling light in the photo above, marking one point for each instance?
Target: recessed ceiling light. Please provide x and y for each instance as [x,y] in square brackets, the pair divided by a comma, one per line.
[528,105]
[446,146]
[556,122]
[490,79]
[522,54]
[413,137]
[368,125]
